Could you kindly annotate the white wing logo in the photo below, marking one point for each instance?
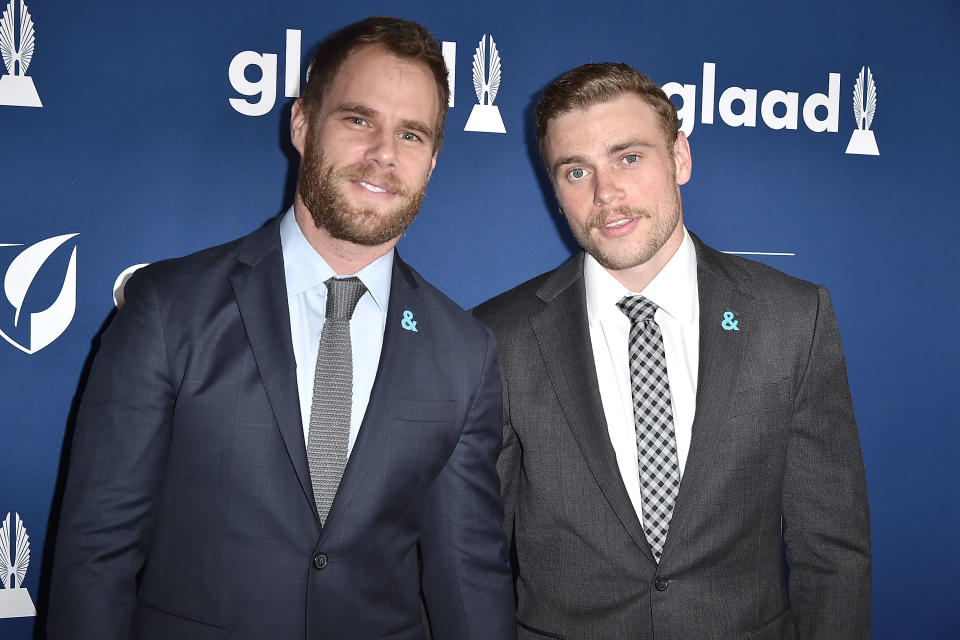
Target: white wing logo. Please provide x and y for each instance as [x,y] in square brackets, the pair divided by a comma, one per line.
[46,325]
[485,116]
[16,87]
[24,54]
[862,141]
[14,569]
[479,66]
[863,110]
[15,602]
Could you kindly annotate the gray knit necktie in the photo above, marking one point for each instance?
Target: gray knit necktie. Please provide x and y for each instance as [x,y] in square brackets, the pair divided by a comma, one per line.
[653,420]
[332,394]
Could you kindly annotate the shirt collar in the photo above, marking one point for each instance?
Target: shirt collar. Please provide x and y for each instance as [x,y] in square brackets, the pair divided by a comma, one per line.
[304,268]
[674,289]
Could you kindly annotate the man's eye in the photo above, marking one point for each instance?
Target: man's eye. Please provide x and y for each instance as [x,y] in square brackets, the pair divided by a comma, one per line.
[631,158]
[412,137]
[357,121]
[577,174]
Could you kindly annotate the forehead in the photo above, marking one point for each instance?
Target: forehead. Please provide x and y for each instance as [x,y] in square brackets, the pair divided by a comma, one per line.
[371,74]
[597,127]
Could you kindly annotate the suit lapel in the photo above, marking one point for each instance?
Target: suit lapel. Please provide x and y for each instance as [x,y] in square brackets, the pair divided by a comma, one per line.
[261,293]
[720,362]
[563,335]
[397,356]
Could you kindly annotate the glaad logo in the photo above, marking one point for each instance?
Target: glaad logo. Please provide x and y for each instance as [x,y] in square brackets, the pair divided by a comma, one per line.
[264,89]
[486,81]
[47,325]
[862,141]
[16,87]
[780,109]
[15,601]
[738,106]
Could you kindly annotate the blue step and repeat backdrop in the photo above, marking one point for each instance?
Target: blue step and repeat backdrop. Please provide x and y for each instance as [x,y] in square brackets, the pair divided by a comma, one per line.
[135,131]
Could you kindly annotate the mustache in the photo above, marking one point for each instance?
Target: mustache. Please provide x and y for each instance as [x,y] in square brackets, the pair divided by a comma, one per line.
[604,216]
[368,173]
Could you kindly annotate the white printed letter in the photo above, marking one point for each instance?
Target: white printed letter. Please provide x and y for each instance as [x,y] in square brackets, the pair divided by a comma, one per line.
[687,111]
[266,87]
[830,101]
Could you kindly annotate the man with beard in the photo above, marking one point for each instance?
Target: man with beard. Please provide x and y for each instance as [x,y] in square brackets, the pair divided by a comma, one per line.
[677,421]
[293,435]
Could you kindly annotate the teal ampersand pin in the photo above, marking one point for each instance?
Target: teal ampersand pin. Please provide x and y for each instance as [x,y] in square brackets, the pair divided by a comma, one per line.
[408,322]
[729,324]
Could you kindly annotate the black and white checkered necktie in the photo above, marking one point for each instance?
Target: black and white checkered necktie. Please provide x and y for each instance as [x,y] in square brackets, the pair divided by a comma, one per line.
[653,420]
[329,432]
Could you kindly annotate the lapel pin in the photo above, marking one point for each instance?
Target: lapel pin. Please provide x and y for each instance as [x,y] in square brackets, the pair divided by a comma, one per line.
[728,323]
[408,322]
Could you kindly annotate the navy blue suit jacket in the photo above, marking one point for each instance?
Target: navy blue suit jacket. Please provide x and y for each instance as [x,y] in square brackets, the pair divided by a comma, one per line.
[189,511]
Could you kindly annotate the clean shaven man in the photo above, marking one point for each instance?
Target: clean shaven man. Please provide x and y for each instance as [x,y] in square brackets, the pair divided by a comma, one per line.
[293,435]
[679,434]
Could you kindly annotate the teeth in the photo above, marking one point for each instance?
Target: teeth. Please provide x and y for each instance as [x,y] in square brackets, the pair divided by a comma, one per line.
[374,188]
[618,223]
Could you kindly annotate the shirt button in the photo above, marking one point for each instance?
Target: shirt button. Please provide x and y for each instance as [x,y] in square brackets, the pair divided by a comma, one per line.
[320,561]
[661,583]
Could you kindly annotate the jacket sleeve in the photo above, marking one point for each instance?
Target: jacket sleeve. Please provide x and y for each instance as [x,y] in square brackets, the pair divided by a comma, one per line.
[466,581]
[825,513]
[117,459]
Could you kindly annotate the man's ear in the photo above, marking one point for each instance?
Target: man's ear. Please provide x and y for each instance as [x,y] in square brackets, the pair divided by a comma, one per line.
[299,126]
[682,159]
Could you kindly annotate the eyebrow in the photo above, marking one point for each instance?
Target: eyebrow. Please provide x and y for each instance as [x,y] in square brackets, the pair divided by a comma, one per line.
[362,110]
[357,108]
[420,127]
[611,151]
[623,146]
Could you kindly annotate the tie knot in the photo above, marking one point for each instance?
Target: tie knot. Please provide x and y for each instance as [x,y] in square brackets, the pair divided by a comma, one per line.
[637,308]
[343,294]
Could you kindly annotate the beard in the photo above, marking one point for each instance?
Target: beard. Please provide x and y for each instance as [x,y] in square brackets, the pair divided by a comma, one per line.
[662,226]
[320,189]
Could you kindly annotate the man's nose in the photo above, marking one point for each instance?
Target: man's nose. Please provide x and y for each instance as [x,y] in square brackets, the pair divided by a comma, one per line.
[382,149]
[606,189]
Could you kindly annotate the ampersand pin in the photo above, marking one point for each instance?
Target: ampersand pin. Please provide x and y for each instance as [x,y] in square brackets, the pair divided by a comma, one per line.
[728,323]
[408,322]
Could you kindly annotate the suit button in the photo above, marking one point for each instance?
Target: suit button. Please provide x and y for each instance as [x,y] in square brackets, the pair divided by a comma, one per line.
[320,561]
[661,583]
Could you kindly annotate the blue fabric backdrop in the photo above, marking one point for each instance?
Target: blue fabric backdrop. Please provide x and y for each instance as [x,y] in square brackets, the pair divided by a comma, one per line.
[139,150]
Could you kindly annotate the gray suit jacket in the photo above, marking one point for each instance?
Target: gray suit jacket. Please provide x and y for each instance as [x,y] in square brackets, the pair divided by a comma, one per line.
[773,485]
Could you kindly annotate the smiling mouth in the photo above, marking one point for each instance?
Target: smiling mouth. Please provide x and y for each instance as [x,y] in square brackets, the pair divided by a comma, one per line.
[371,187]
[617,223]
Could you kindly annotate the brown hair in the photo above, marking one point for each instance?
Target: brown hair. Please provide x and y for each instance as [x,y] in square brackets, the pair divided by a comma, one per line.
[593,83]
[402,38]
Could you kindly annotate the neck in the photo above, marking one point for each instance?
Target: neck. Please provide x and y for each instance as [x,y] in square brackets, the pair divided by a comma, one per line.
[344,257]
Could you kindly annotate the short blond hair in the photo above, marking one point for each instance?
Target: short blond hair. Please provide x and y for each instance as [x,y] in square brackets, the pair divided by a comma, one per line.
[594,83]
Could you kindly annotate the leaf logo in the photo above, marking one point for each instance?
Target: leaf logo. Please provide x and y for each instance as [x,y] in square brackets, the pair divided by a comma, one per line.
[46,325]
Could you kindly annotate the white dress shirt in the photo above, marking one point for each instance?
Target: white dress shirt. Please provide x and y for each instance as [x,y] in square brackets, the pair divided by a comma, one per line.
[674,291]
[305,272]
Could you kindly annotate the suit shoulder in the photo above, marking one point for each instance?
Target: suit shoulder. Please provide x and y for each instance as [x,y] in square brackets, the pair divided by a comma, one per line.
[444,311]
[519,302]
[210,267]
[208,262]
[757,279]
